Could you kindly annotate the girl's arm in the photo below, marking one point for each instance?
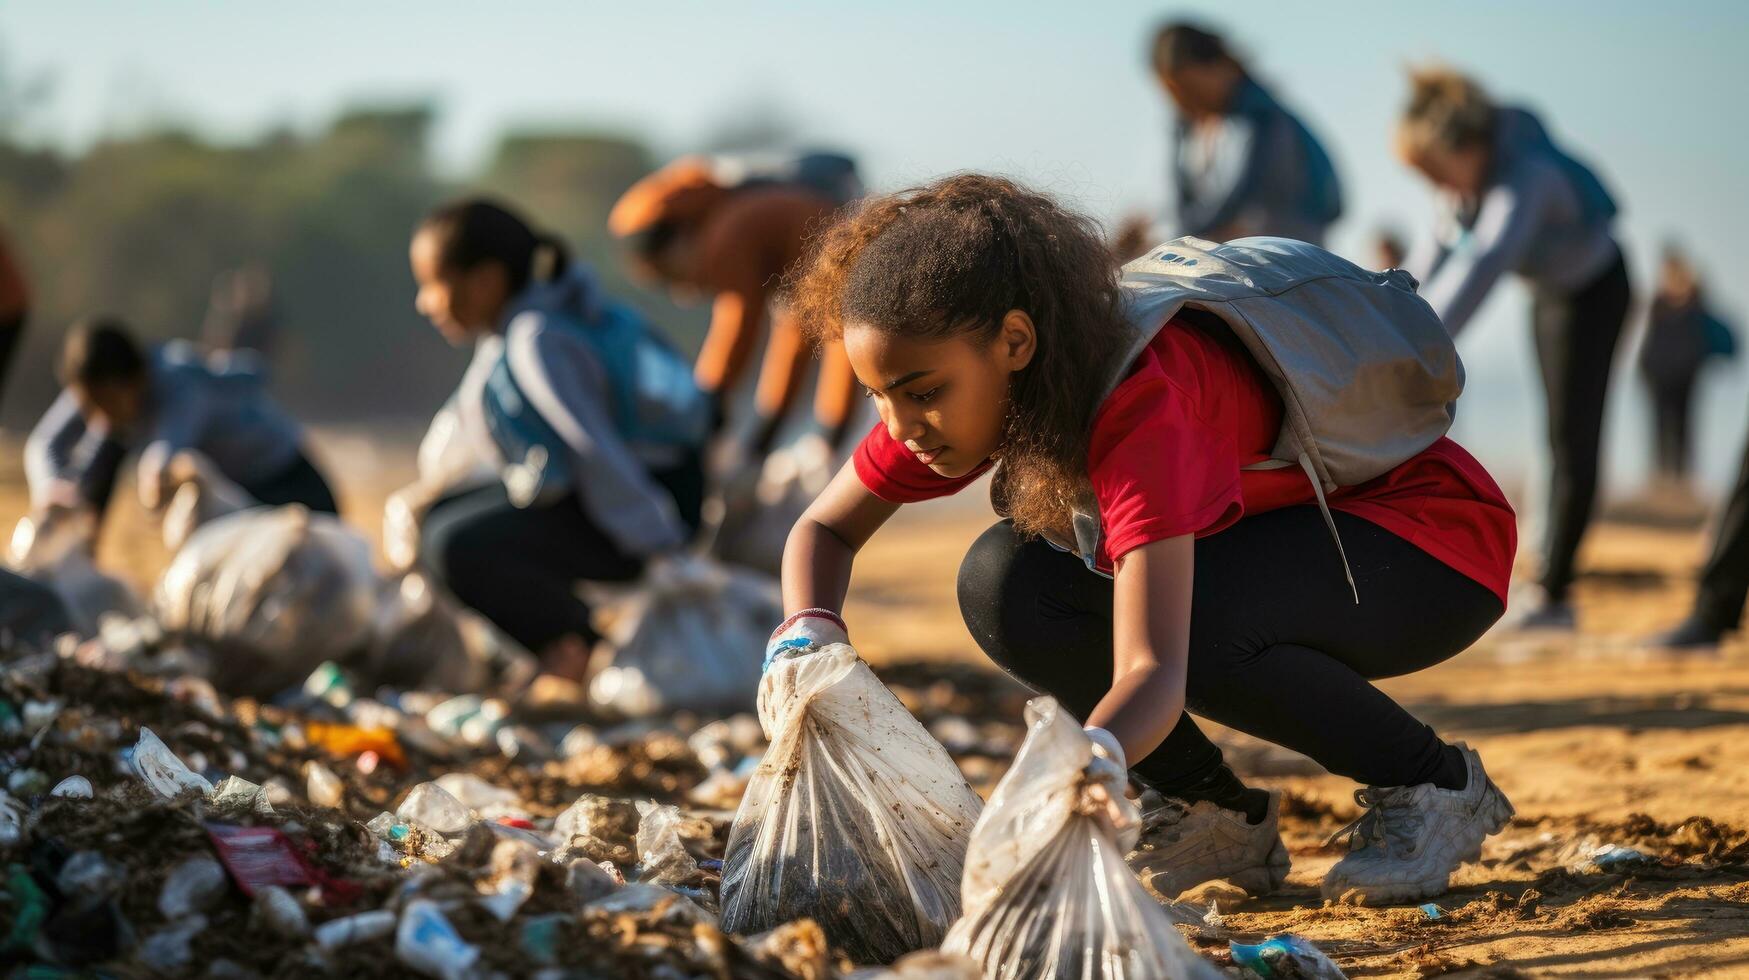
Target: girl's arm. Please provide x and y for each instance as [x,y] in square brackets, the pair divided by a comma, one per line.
[821,547]
[1150,645]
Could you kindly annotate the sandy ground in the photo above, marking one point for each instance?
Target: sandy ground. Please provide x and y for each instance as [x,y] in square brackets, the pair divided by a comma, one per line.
[1594,741]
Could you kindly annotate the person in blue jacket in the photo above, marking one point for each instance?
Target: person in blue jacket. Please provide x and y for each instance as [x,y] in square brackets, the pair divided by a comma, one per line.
[1682,334]
[1510,200]
[121,397]
[591,422]
[1242,163]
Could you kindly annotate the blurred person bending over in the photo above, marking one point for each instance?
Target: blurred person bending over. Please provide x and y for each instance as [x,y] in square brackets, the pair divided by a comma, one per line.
[1242,164]
[709,226]
[589,422]
[1682,334]
[119,397]
[1510,200]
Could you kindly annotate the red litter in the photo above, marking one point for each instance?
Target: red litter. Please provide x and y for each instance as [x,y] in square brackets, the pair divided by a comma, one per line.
[518,822]
[261,856]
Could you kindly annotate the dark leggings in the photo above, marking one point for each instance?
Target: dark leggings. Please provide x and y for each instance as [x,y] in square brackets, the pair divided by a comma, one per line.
[1576,335]
[519,566]
[1724,579]
[299,483]
[1278,648]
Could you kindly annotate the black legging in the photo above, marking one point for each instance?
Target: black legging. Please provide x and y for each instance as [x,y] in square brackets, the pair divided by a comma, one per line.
[1278,648]
[1724,579]
[1672,421]
[519,566]
[1576,335]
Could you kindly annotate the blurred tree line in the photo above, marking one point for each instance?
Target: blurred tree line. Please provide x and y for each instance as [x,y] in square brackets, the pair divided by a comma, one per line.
[140,227]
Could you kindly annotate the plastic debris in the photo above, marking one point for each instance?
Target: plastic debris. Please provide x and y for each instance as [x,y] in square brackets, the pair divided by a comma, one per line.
[281,913]
[237,793]
[73,788]
[1046,891]
[684,639]
[322,786]
[1432,911]
[170,949]
[662,856]
[425,942]
[29,908]
[360,928]
[195,885]
[1614,857]
[855,816]
[1286,956]
[11,821]
[87,873]
[260,856]
[480,796]
[168,776]
[515,865]
[430,805]
[346,741]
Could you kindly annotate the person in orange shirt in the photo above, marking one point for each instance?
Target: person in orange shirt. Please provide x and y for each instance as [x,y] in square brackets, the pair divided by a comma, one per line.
[700,228]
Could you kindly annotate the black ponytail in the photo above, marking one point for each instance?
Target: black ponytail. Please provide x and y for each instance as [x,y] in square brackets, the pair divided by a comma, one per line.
[476,230]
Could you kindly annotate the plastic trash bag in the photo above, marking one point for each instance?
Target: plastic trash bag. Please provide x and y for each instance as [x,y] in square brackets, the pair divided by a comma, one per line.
[270,593]
[1046,891]
[201,495]
[856,817]
[688,636]
[56,549]
[752,518]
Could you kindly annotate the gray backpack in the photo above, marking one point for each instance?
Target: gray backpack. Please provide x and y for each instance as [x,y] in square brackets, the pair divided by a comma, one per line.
[1368,375]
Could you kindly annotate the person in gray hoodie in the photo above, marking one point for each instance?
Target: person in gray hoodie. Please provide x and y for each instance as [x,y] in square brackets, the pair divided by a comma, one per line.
[591,422]
[1510,200]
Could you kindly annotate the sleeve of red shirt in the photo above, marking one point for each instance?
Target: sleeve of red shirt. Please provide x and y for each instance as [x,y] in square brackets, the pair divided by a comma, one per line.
[892,473]
[1158,470]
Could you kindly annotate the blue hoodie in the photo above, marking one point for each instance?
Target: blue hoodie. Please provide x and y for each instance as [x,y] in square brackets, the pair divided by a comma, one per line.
[1543,215]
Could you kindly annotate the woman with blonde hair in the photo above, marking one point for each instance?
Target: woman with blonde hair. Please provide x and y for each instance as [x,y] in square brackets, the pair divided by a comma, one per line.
[1510,200]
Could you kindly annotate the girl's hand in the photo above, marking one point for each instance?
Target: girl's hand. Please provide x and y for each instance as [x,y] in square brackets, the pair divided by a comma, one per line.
[1150,645]
[807,630]
[1106,777]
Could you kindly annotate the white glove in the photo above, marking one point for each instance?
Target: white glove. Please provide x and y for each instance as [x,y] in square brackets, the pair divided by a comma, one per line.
[809,629]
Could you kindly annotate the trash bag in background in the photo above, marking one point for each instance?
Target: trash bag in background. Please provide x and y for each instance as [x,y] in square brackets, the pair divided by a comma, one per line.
[56,548]
[270,593]
[1046,891]
[423,638]
[751,519]
[689,635]
[856,817]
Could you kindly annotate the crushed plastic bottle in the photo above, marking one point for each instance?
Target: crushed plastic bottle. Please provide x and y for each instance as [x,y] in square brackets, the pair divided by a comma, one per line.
[360,928]
[195,885]
[427,943]
[170,950]
[11,821]
[478,795]
[159,767]
[1286,956]
[514,867]
[586,881]
[430,805]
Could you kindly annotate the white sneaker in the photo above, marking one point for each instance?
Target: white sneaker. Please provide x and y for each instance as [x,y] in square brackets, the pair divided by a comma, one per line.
[1530,610]
[1182,846]
[1410,839]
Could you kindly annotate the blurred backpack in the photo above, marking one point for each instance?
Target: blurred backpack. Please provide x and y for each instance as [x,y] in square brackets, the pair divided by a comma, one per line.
[1368,375]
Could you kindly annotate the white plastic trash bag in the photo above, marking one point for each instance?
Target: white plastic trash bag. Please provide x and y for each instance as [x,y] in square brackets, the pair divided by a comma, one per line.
[856,817]
[1046,891]
[754,518]
[688,636]
[270,592]
[55,548]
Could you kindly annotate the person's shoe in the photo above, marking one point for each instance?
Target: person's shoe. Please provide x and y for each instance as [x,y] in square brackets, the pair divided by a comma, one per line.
[1410,839]
[1183,845]
[1692,633]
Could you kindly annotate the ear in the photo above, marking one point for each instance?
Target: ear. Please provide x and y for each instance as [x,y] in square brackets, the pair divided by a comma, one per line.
[1016,340]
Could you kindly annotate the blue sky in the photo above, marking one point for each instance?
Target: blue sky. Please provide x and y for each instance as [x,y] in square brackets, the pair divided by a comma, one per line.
[1054,93]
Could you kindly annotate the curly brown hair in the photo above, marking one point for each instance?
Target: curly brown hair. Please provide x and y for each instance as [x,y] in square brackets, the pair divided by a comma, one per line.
[951,259]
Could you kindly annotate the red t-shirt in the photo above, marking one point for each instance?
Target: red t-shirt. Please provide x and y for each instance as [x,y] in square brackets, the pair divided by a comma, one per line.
[1167,456]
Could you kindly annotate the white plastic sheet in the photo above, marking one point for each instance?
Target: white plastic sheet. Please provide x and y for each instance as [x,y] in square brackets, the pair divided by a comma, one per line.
[1046,890]
[856,817]
[689,636]
[270,592]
